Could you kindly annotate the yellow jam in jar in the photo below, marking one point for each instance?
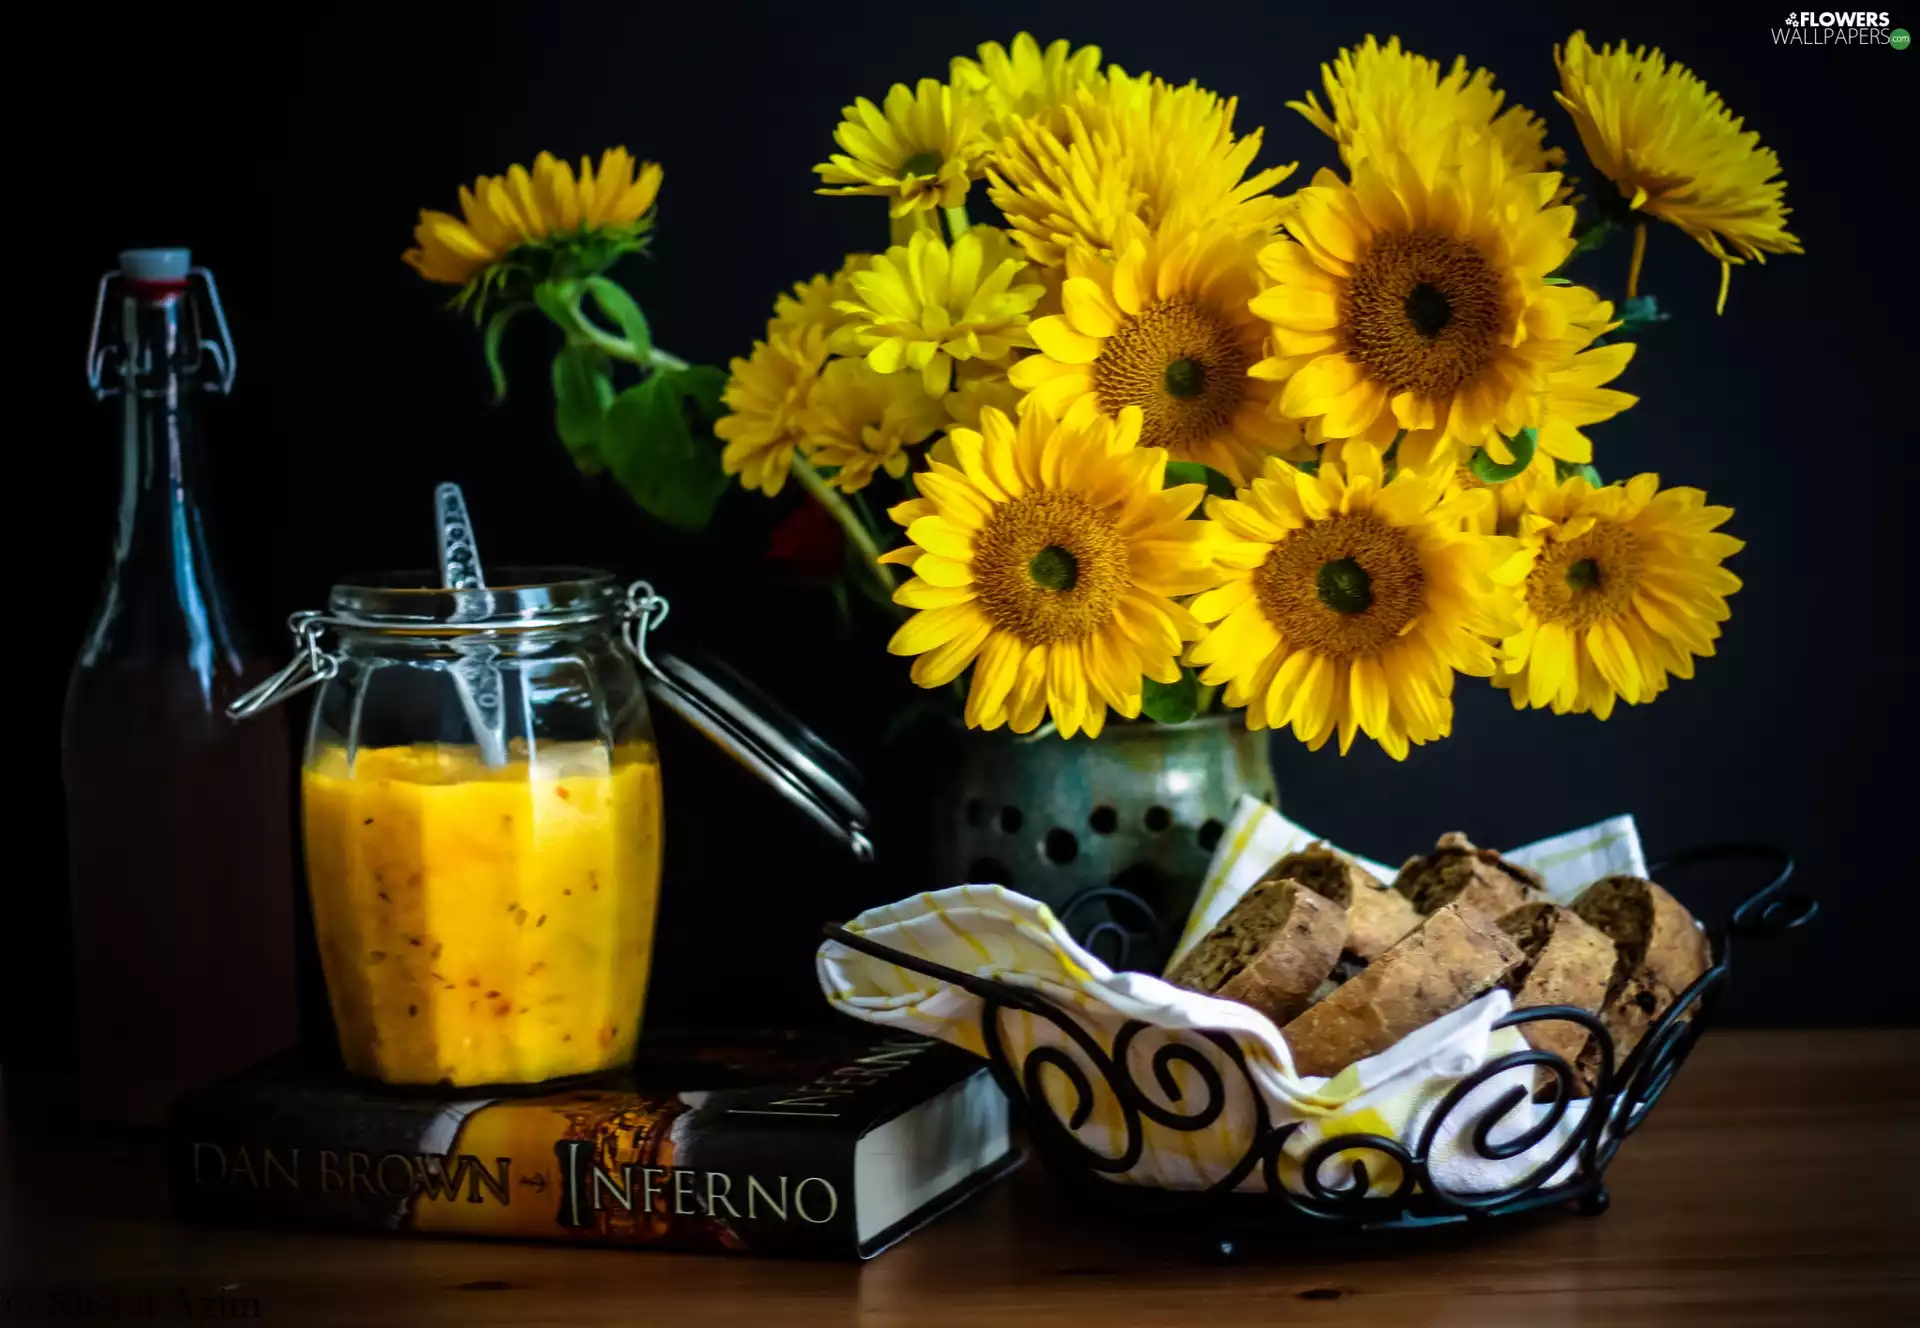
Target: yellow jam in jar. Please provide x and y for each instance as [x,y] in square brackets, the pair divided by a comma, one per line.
[484,925]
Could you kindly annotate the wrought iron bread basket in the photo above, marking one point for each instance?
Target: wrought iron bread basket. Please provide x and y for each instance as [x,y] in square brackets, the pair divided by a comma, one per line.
[1573,1173]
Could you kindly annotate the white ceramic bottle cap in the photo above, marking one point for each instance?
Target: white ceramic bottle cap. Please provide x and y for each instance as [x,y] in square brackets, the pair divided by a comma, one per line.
[155,264]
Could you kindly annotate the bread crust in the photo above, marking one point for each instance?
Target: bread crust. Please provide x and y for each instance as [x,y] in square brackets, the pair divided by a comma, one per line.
[1454,956]
[1271,951]
[1569,962]
[1281,980]
[1479,879]
[1652,930]
[1377,916]
[1661,952]
[1629,1013]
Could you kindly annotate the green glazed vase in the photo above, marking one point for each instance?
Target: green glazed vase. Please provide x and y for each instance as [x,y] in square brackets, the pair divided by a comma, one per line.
[1113,834]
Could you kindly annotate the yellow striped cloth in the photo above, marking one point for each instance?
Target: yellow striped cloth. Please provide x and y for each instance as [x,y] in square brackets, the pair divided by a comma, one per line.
[992,932]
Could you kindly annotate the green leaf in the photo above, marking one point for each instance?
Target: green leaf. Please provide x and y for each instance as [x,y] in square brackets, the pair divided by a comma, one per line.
[1566,470]
[490,346]
[557,300]
[1171,702]
[1558,281]
[1490,471]
[1592,237]
[1638,314]
[659,444]
[1192,472]
[582,394]
[612,300]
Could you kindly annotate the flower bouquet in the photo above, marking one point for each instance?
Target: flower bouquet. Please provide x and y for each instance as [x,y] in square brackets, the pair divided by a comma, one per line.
[1157,430]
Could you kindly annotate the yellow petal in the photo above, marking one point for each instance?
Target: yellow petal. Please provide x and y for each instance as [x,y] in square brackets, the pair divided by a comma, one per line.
[933,627]
[1057,338]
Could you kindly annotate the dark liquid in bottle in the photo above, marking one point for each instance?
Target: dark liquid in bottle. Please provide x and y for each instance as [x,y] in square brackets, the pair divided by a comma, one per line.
[179,844]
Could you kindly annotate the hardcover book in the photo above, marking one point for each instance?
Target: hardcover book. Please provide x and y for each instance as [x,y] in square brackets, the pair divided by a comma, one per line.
[787,1144]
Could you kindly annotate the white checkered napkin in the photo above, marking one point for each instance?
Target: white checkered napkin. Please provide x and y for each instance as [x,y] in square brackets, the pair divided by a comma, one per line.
[988,931]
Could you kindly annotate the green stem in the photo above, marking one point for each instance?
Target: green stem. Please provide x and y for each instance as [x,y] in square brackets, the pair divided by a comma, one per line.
[856,530]
[583,329]
[956,222]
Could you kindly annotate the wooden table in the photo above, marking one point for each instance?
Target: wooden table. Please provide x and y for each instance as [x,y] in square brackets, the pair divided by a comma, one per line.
[1777,1183]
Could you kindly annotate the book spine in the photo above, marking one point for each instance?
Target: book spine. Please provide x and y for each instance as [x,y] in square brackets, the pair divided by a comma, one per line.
[583,1168]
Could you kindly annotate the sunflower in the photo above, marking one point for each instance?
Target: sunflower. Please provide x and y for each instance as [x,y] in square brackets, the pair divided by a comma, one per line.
[1350,600]
[811,303]
[924,305]
[1048,559]
[1024,80]
[922,151]
[1165,327]
[1382,99]
[765,396]
[1620,587]
[859,421]
[1416,298]
[1125,147]
[1675,152]
[597,216]
[1502,515]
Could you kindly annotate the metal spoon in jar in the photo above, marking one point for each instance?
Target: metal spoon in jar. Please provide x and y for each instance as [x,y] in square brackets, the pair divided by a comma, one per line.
[475,674]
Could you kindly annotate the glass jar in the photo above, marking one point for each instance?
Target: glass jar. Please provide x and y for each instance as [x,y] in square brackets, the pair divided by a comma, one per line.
[481,811]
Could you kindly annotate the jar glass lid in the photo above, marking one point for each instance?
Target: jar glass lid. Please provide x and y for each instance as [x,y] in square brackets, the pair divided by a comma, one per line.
[517,599]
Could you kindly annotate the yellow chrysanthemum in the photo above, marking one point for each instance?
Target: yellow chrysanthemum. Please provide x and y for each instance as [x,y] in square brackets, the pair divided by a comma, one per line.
[977,385]
[1417,299]
[859,421]
[811,303]
[922,151]
[1384,100]
[1675,152]
[1047,559]
[1024,80]
[765,396]
[549,205]
[1576,393]
[923,305]
[1164,326]
[1620,587]
[1350,600]
[1127,147]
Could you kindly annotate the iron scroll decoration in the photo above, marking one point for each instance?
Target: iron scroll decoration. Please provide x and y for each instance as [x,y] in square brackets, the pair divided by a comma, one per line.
[1622,1094]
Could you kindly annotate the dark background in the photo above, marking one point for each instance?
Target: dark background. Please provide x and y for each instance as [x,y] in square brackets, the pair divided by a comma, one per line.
[293,160]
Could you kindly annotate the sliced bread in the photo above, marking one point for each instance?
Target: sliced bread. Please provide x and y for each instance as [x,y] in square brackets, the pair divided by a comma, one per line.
[1478,879]
[1454,956]
[1660,952]
[1271,951]
[1376,915]
[1568,962]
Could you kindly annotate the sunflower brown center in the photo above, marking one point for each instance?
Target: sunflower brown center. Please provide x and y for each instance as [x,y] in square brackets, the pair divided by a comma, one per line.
[1345,587]
[1183,365]
[1585,580]
[1049,566]
[1422,312]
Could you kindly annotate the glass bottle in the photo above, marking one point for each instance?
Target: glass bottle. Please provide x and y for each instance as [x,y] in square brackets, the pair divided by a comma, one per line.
[178,818]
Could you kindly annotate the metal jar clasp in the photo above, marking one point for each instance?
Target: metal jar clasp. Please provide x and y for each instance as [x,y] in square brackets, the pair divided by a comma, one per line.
[311,665]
